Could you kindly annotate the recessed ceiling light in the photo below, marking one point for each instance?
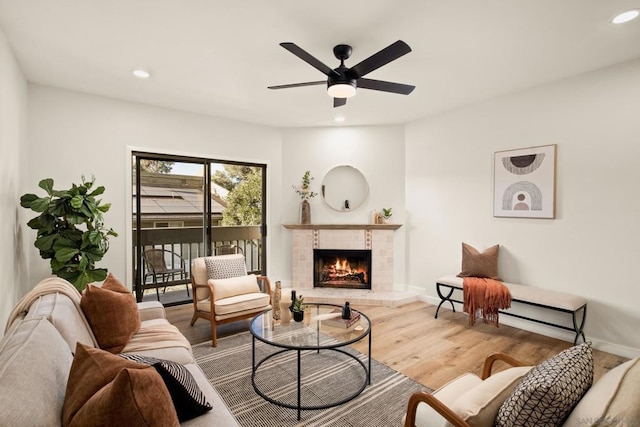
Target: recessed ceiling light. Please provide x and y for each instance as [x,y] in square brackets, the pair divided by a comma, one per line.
[626,16]
[141,74]
[338,119]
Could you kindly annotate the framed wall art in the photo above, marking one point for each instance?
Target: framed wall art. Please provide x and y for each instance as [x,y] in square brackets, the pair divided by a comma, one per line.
[524,182]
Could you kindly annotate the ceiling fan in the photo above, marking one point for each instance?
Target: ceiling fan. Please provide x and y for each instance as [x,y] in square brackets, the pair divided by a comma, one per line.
[342,82]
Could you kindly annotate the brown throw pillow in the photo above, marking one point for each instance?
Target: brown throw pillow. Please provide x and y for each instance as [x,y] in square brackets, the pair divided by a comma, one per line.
[113,284]
[104,389]
[112,314]
[476,264]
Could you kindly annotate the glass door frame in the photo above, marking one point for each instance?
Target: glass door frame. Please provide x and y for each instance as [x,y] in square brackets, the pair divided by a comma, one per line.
[136,156]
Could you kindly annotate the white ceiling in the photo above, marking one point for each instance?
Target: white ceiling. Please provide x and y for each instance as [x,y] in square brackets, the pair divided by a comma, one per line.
[218,57]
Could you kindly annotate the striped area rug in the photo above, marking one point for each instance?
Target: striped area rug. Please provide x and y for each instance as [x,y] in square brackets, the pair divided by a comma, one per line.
[326,377]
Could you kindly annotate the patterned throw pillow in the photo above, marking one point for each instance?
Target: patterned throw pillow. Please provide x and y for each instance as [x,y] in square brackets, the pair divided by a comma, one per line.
[550,390]
[225,266]
[188,400]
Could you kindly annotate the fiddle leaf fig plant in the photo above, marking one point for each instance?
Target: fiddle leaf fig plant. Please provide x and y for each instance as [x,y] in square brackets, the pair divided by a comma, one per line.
[70,230]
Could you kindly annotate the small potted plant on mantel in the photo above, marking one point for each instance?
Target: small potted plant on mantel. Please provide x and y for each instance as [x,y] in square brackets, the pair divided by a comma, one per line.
[386,214]
[297,308]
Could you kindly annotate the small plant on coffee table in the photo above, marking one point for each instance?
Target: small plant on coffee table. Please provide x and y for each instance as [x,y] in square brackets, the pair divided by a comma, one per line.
[298,308]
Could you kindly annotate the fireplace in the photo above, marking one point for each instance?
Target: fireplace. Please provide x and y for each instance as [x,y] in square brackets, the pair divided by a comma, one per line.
[342,268]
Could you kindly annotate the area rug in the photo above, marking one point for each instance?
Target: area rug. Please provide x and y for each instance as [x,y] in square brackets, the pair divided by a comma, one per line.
[326,377]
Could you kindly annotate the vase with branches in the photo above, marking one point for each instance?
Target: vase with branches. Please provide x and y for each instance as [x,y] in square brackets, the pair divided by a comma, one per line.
[305,193]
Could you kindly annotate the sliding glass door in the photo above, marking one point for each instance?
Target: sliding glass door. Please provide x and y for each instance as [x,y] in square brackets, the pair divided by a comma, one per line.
[184,208]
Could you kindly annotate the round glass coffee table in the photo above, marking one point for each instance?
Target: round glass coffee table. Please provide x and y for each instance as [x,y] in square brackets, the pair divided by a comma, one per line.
[322,334]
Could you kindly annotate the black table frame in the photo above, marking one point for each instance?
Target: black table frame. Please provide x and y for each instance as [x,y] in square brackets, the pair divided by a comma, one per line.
[332,347]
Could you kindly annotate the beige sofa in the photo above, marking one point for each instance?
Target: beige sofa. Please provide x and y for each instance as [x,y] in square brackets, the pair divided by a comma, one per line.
[36,353]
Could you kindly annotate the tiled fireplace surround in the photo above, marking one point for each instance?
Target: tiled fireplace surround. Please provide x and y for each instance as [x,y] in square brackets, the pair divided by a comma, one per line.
[379,238]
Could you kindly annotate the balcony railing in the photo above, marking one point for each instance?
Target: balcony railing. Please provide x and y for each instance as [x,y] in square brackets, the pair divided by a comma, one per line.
[187,242]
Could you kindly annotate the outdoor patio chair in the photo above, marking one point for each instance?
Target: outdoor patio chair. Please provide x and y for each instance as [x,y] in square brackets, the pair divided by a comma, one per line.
[155,262]
[227,250]
[224,293]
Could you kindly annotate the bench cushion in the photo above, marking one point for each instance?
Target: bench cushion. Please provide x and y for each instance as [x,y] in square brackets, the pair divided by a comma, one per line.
[532,294]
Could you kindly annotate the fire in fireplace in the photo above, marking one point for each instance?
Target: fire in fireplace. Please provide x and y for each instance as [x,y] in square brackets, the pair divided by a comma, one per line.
[342,268]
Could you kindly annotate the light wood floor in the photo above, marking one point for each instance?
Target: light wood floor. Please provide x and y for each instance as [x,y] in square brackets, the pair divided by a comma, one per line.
[430,351]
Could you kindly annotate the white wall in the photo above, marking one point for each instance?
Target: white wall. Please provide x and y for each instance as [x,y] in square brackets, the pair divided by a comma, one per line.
[72,134]
[591,248]
[377,151]
[13,140]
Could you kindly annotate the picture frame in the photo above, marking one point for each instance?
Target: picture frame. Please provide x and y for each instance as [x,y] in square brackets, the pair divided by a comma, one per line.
[524,182]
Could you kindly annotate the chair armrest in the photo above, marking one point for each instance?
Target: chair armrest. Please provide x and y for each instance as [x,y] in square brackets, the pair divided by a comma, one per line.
[438,406]
[151,310]
[195,286]
[266,288]
[492,358]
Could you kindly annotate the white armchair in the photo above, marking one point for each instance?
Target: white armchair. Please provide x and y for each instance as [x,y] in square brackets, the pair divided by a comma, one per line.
[224,293]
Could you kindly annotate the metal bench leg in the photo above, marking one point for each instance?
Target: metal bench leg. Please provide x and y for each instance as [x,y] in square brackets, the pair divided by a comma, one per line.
[444,298]
[579,329]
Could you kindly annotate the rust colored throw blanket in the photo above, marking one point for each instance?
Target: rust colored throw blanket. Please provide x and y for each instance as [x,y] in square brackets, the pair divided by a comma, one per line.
[486,297]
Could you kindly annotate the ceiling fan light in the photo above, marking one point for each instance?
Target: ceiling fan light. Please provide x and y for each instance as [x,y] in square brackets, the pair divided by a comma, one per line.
[141,73]
[341,90]
[626,16]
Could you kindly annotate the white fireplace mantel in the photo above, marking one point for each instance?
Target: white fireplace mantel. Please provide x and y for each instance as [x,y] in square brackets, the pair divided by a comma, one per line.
[342,226]
[376,237]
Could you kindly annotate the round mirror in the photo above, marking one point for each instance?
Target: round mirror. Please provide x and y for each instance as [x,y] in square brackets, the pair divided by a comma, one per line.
[344,188]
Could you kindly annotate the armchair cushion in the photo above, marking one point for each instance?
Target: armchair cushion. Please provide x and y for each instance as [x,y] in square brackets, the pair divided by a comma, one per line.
[234,286]
[447,394]
[475,401]
[253,301]
[479,406]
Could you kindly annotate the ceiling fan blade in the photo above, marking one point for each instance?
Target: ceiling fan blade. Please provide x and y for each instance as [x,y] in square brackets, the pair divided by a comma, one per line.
[309,59]
[321,82]
[339,102]
[385,86]
[377,60]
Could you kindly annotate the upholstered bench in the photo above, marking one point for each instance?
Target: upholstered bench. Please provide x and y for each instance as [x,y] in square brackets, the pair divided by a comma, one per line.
[544,298]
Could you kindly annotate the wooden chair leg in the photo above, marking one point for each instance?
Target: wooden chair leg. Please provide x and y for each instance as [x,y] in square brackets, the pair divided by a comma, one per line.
[194,318]
[214,335]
